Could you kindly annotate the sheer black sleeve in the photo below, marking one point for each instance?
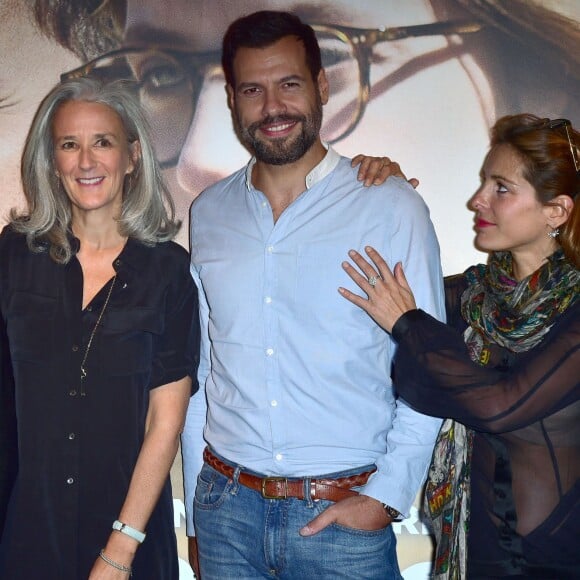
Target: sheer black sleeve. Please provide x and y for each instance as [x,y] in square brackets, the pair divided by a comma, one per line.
[434,373]
[454,288]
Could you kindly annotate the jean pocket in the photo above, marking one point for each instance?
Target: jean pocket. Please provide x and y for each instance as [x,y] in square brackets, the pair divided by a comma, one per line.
[322,505]
[212,488]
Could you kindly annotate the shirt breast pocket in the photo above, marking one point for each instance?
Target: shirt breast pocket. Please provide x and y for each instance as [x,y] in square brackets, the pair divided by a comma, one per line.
[129,338]
[30,321]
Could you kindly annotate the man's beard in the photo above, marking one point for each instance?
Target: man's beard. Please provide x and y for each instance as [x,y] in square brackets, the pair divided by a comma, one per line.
[286,149]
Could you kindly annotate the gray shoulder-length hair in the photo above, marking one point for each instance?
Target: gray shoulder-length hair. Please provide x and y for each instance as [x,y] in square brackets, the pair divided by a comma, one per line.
[147,213]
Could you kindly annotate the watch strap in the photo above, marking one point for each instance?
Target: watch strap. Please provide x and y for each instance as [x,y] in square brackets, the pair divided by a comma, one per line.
[129,531]
[392,512]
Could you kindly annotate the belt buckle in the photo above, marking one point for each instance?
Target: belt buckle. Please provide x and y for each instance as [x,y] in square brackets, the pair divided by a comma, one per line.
[265,481]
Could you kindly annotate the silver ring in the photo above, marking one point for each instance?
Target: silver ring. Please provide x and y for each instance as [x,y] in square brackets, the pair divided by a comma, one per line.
[373,280]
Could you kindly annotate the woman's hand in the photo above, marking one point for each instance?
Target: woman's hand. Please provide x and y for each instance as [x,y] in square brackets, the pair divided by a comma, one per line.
[375,170]
[389,294]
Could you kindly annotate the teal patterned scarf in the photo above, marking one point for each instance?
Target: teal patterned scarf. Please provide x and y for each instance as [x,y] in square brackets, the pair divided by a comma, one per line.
[515,315]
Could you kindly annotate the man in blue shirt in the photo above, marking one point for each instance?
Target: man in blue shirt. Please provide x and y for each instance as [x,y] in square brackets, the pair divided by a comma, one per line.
[309,454]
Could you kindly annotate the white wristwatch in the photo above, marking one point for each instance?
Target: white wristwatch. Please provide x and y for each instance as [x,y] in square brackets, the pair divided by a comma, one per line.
[129,531]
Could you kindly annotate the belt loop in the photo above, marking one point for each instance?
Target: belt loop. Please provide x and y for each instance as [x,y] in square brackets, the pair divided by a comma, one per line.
[235,479]
[308,491]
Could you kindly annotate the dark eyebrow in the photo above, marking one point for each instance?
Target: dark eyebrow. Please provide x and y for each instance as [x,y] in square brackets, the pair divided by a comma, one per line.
[502,178]
[281,80]
[291,78]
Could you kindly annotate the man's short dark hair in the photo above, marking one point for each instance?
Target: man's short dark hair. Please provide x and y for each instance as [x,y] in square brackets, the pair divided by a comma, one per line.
[264,28]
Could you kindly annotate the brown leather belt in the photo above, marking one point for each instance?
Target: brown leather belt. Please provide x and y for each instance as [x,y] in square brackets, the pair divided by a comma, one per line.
[283,488]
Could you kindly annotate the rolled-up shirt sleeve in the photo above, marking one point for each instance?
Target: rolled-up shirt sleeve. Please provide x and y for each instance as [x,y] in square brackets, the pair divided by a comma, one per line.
[177,347]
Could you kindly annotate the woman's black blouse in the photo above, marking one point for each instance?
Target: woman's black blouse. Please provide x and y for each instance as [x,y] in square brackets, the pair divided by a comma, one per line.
[8,437]
[77,451]
[525,410]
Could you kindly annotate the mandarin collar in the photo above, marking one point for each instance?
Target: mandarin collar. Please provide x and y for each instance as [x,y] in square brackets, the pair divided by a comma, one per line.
[317,174]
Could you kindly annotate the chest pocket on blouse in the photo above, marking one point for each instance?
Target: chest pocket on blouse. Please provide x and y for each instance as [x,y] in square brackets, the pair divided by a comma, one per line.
[30,320]
[129,338]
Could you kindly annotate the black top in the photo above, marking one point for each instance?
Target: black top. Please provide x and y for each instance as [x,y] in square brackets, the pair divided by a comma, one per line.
[525,512]
[8,447]
[76,454]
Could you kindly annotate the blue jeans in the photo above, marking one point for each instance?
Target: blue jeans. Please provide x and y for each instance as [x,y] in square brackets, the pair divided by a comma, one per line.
[242,535]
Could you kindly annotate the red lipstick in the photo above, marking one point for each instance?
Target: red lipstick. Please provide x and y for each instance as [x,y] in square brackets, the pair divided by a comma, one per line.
[481,223]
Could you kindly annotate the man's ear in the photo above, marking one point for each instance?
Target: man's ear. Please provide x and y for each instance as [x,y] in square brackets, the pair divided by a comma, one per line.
[323,88]
[231,96]
[559,210]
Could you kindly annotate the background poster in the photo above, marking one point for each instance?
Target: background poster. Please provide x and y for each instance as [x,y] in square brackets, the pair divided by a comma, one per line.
[420,81]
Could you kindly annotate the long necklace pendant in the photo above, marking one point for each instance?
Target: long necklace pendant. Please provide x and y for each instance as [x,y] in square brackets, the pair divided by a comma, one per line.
[83,375]
[92,336]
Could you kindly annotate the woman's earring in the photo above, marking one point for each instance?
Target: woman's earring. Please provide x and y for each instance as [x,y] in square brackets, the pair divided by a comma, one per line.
[554,233]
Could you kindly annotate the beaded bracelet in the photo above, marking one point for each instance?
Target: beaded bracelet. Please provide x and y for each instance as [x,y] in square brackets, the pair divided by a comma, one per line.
[114,564]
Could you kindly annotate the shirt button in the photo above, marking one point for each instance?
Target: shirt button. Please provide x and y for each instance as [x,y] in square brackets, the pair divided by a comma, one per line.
[270,249]
[278,457]
[89,309]
[70,481]
[268,300]
[264,204]
[72,393]
[71,436]
[75,348]
[117,262]
[274,403]
[269,351]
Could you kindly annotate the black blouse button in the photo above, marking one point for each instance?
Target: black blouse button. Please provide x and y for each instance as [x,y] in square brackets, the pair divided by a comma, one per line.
[75,348]
[71,436]
[72,393]
[70,480]
[117,262]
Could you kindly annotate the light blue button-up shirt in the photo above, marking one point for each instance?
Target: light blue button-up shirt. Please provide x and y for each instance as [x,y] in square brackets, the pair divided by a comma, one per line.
[297,379]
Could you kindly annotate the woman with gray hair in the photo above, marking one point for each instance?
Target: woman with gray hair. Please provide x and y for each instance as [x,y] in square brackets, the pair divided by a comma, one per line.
[100,318]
